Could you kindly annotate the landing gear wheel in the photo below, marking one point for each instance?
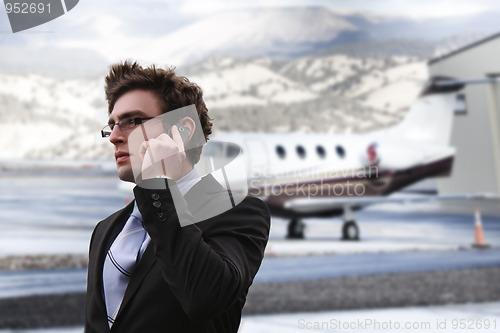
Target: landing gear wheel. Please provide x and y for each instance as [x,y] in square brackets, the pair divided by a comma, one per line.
[350,231]
[296,229]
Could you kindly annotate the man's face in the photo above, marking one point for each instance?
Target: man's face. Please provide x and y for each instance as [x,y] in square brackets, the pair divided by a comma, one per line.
[133,104]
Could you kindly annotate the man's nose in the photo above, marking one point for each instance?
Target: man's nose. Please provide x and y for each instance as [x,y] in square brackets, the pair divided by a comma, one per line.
[117,135]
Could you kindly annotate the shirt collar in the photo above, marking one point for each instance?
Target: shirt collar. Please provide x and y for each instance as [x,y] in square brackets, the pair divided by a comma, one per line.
[186,182]
[136,213]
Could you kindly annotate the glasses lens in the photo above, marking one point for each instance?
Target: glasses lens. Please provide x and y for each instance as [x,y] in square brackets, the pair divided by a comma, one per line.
[127,123]
[106,131]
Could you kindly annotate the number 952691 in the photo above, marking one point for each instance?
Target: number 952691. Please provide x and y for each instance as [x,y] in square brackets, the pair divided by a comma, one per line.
[27,8]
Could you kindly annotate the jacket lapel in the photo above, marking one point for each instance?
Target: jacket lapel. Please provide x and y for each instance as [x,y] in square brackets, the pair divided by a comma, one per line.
[102,241]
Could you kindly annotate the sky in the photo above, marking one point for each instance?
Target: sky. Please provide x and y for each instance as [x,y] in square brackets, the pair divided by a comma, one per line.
[413,8]
[186,10]
[109,29]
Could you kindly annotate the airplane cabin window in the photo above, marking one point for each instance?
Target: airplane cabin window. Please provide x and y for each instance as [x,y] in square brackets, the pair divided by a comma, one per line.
[280,151]
[321,151]
[301,151]
[340,151]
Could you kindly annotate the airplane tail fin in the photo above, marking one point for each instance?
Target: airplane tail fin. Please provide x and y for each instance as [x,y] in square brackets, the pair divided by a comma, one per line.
[430,118]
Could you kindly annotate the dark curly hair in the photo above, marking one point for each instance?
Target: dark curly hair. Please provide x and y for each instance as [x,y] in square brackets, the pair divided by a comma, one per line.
[172,91]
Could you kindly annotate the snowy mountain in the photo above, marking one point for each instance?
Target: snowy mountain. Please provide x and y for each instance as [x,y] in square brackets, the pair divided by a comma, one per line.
[46,117]
[49,117]
[273,69]
[309,93]
[92,41]
[283,32]
[297,31]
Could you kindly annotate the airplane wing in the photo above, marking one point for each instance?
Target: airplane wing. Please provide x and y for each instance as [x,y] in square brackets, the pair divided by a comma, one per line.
[318,205]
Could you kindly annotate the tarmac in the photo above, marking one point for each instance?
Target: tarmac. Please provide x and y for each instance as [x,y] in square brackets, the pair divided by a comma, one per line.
[414,265]
[484,317]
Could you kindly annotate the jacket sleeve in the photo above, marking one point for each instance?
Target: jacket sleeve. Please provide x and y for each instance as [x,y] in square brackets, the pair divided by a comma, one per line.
[210,264]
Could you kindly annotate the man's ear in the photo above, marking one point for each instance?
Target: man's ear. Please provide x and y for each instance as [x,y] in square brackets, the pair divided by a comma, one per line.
[189,125]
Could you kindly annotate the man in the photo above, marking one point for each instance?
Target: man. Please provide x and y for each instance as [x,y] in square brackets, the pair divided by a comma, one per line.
[147,273]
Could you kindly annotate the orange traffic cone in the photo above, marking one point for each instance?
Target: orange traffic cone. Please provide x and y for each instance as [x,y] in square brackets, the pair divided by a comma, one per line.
[480,243]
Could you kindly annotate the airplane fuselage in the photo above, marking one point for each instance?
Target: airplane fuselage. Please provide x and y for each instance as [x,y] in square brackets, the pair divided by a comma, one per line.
[284,167]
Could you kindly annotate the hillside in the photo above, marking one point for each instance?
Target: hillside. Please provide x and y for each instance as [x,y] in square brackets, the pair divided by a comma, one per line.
[301,69]
[46,117]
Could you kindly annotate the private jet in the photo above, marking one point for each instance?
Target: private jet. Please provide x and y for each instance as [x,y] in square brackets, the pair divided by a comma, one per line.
[310,175]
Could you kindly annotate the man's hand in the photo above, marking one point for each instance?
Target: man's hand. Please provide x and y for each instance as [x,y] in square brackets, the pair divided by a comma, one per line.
[163,156]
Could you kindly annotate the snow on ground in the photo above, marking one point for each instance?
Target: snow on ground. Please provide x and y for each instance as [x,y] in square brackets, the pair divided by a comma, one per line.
[404,83]
[234,100]
[427,226]
[250,84]
[322,85]
[294,96]
[395,96]
[48,109]
[414,71]
[381,231]
[482,317]
[77,97]
[237,79]
[301,248]
[368,83]
[15,145]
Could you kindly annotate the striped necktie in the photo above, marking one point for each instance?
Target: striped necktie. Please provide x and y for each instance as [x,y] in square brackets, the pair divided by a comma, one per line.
[121,260]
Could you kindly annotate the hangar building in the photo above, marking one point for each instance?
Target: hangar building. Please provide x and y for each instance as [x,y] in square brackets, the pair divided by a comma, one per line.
[476,127]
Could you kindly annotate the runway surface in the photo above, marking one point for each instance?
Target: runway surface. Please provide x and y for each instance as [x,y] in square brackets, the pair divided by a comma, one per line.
[275,269]
[421,251]
[305,268]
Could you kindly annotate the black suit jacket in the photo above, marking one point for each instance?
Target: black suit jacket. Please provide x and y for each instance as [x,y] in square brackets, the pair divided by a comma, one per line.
[190,279]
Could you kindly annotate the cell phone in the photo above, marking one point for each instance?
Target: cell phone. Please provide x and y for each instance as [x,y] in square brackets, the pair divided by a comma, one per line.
[182,131]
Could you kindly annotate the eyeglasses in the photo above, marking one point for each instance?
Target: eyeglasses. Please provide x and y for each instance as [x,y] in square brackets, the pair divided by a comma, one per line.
[124,124]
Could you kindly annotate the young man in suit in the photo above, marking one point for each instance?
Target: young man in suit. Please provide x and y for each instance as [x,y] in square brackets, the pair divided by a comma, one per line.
[147,272]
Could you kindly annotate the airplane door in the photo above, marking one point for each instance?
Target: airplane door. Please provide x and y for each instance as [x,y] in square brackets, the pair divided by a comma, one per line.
[257,158]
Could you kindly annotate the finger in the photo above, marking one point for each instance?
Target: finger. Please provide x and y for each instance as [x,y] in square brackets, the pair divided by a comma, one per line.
[152,149]
[144,147]
[176,136]
[164,137]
